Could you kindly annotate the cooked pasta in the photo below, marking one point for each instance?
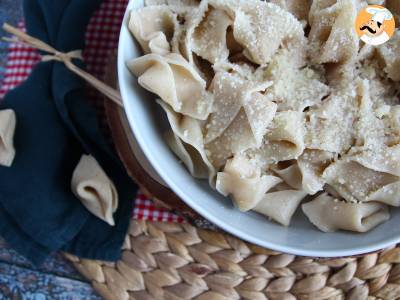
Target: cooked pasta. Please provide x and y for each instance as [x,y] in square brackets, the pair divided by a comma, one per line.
[330,214]
[8,122]
[278,104]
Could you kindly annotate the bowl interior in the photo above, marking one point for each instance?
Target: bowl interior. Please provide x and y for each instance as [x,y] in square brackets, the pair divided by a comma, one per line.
[148,123]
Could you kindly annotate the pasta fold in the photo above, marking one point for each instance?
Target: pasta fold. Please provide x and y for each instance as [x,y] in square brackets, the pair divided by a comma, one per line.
[388,194]
[153,27]
[95,189]
[298,8]
[188,155]
[390,54]
[293,88]
[193,20]
[329,214]
[8,122]
[231,93]
[237,138]
[209,38]
[181,7]
[262,27]
[355,182]
[312,164]
[281,205]
[242,180]
[187,132]
[175,81]
[329,127]
[332,36]
[306,173]
[285,139]
[384,159]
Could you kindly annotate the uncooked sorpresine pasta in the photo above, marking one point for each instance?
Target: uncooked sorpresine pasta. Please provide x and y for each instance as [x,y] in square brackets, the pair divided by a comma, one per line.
[278,104]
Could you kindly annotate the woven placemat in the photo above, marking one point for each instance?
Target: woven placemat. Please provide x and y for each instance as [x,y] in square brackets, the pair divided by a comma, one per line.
[180,261]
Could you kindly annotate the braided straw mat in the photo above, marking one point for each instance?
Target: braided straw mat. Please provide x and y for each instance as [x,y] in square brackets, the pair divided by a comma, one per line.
[179,261]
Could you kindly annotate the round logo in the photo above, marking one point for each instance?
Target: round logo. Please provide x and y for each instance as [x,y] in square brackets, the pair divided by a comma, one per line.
[375,25]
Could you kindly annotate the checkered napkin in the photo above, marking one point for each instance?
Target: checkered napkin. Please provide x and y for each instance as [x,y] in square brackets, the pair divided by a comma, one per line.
[101,40]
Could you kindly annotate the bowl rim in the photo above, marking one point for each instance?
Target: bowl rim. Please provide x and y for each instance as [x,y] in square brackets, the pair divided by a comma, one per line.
[124,37]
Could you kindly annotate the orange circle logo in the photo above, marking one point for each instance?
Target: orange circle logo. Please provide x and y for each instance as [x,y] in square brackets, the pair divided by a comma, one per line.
[375,25]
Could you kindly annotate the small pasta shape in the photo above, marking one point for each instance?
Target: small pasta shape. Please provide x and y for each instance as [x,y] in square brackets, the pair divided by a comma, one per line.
[8,123]
[94,189]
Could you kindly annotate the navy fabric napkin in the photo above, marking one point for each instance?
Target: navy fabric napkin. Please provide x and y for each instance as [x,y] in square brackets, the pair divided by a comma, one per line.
[55,126]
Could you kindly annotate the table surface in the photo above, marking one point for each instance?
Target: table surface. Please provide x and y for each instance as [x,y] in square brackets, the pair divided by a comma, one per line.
[56,278]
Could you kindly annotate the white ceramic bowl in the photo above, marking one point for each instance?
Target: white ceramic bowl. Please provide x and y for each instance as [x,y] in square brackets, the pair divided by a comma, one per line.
[148,123]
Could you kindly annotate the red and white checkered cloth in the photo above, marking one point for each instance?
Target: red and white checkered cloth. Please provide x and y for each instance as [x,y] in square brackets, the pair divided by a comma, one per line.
[101,39]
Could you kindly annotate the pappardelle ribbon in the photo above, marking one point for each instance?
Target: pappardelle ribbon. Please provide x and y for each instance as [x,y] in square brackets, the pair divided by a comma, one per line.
[65,58]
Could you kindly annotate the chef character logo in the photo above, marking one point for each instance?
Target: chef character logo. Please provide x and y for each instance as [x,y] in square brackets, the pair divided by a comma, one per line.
[375,25]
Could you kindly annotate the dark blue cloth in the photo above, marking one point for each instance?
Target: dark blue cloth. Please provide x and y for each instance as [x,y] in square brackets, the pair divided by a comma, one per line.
[55,126]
